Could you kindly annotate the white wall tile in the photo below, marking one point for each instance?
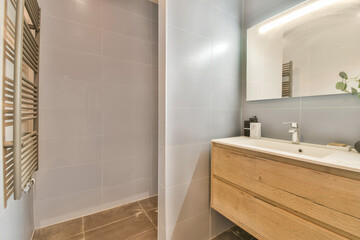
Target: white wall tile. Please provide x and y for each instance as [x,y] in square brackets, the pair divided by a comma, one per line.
[61,123]
[59,63]
[194,19]
[120,169]
[126,48]
[187,163]
[52,183]
[68,93]
[61,152]
[56,210]
[141,7]
[187,126]
[188,88]
[187,200]
[59,33]
[124,72]
[125,192]
[189,51]
[117,20]
[194,228]
[85,12]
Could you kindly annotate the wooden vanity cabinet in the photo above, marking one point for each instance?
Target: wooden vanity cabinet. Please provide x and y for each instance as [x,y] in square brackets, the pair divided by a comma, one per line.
[279,198]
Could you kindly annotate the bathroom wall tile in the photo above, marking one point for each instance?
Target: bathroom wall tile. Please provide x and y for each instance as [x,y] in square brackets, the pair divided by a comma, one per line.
[233,7]
[225,123]
[86,12]
[185,50]
[330,101]
[225,93]
[187,200]
[78,178]
[194,19]
[141,7]
[127,144]
[330,125]
[61,123]
[124,72]
[219,223]
[154,55]
[68,93]
[155,32]
[61,152]
[187,163]
[226,40]
[56,63]
[69,35]
[290,103]
[118,96]
[117,20]
[127,121]
[161,168]
[154,186]
[187,126]
[125,192]
[254,7]
[188,89]
[126,48]
[55,210]
[272,119]
[193,228]
[154,12]
[120,169]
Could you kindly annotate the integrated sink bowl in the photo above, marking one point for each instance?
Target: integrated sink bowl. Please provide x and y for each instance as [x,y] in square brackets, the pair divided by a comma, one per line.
[302,149]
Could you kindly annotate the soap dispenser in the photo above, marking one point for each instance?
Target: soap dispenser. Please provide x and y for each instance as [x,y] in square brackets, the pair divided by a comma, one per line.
[255,128]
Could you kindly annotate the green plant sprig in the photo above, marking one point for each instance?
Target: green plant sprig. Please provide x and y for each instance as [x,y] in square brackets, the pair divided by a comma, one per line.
[342,86]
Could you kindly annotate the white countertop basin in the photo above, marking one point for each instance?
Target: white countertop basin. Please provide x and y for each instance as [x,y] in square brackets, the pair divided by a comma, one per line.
[312,153]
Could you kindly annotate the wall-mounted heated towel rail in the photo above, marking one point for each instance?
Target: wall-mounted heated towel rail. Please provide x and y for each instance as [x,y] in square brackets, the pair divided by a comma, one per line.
[20,98]
[287,79]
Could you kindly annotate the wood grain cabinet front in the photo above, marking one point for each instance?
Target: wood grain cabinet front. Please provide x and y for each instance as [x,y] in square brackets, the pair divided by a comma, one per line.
[276,198]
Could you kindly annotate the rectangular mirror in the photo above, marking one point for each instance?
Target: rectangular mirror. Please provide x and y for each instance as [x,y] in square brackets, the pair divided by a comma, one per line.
[301,52]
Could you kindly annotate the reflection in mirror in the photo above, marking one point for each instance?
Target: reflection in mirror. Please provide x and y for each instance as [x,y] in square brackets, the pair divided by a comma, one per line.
[302,51]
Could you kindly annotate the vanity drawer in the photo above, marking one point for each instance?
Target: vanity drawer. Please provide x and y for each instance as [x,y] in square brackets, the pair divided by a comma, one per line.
[330,201]
[263,220]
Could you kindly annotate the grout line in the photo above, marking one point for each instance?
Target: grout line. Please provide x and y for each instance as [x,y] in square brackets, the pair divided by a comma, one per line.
[139,234]
[105,225]
[147,215]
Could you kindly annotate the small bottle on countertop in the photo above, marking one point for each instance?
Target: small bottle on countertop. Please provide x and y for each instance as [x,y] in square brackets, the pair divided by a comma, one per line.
[255,129]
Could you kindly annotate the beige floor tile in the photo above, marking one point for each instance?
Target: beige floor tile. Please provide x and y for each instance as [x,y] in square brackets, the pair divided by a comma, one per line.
[121,230]
[153,215]
[149,203]
[60,231]
[111,215]
[149,235]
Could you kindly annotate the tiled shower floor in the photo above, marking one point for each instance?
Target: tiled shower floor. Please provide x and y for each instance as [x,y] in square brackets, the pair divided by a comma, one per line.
[133,221]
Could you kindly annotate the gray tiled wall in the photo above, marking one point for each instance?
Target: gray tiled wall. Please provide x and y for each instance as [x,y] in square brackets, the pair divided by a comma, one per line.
[199,100]
[322,119]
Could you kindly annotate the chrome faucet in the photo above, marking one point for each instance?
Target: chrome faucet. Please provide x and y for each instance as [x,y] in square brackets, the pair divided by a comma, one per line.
[294,131]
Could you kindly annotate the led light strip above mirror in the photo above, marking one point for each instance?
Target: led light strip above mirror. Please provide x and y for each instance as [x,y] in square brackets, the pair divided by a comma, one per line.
[296,14]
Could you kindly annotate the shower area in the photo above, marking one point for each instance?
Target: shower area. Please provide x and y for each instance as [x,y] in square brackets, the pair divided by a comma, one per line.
[131,92]
[98,107]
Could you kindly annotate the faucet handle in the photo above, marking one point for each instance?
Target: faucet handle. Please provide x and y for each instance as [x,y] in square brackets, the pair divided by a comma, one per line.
[293,124]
